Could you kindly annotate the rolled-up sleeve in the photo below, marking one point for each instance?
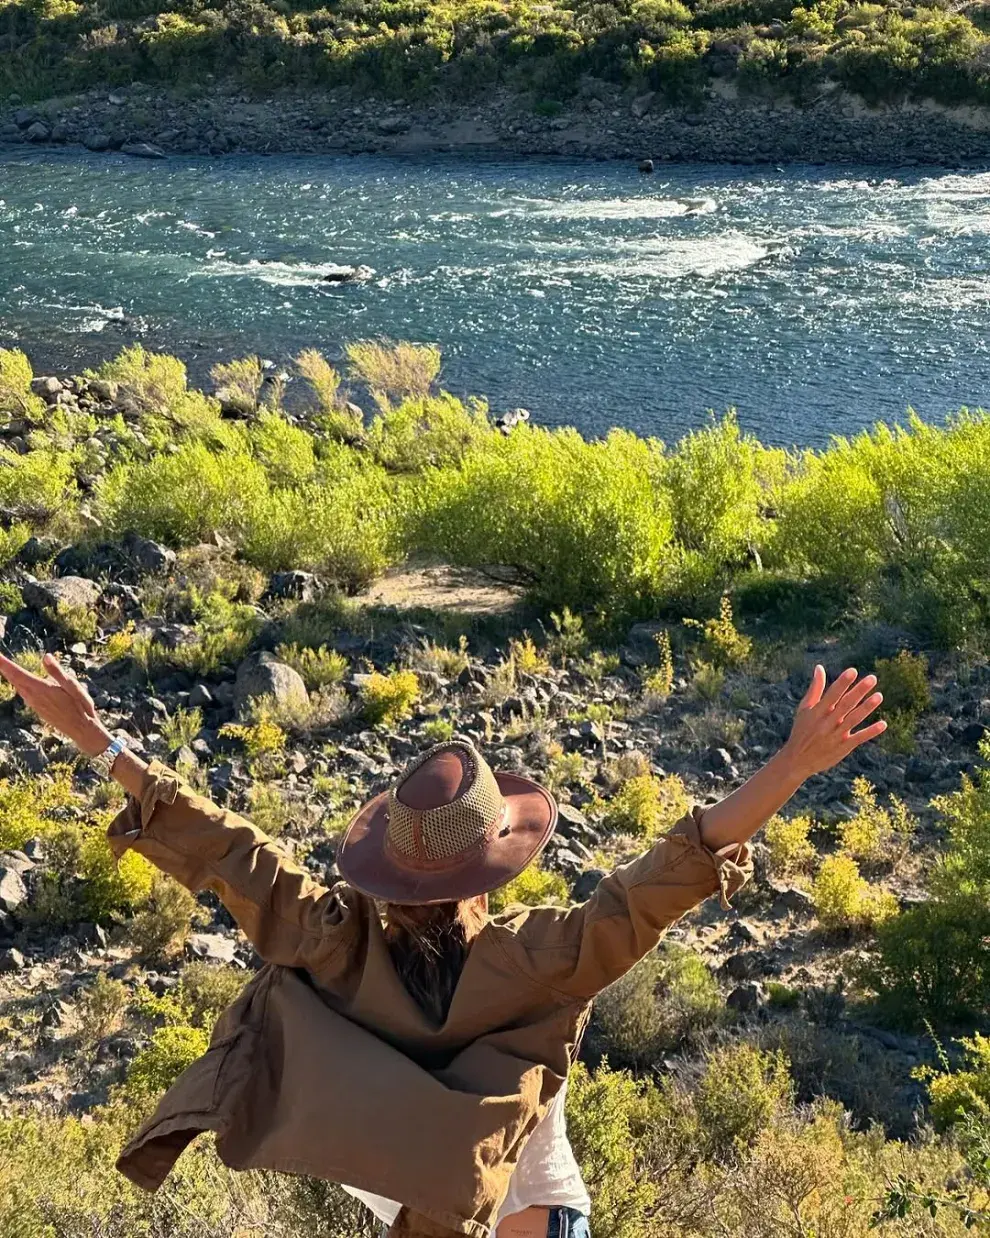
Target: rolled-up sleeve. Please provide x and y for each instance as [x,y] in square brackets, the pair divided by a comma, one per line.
[581,951]
[289,918]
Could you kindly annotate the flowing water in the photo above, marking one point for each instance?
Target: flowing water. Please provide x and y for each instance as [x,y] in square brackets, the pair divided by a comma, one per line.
[813,300]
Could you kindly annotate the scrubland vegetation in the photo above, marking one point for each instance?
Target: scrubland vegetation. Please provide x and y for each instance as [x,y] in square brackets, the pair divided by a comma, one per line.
[674,596]
[883,51]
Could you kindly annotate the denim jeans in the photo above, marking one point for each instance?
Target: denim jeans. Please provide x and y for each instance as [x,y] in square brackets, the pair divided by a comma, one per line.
[564,1223]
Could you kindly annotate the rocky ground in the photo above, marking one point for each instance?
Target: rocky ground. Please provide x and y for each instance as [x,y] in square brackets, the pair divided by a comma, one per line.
[601,122]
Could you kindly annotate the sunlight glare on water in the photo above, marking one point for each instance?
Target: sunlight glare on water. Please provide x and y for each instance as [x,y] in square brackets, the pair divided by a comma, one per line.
[814,302]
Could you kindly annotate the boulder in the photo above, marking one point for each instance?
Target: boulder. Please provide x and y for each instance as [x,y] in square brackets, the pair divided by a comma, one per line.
[393,124]
[13,891]
[348,275]
[37,550]
[646,166]
[586,884]
[62,591]
[38,132]
[25,116]
[303,586]
[262,674]
[97,141]
[789,900]
[200,697]
[641,105]
[212,947]
[11,960]
[142,150]
[48,387]
[747,998]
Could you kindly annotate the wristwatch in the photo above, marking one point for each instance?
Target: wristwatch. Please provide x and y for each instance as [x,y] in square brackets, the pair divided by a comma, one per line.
[103,763]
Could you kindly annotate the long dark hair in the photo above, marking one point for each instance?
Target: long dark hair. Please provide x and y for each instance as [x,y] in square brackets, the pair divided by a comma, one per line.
[429,946]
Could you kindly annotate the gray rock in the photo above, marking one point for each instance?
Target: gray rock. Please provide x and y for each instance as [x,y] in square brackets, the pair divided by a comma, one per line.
[63,590]
[97,141]
[13,892]
[200,697]
[212,947]
[142,150]
[393,124]
[34,759]
[38,132]
[150,714]
[586,884]
[147,555]
[261,674]
[747,998]
[646,166]
[789,900]
[571,820]
[19,861]
[741,966]
[37,550]
[303,586]
[741,931]
[641,105]
[25,116]
[11,960]
[48,387]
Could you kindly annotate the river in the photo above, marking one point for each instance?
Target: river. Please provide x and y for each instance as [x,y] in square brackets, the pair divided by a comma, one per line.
[812,299]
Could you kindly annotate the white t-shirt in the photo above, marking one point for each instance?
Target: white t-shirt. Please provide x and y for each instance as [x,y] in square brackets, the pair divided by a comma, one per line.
[546,1174]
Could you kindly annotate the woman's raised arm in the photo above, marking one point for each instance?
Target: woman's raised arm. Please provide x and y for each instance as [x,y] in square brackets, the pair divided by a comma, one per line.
[288,917]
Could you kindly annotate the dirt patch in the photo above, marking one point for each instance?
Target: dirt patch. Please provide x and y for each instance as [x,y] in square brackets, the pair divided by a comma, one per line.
[456,590]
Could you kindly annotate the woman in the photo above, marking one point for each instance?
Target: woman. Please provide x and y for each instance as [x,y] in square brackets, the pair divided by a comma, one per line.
[420,1056]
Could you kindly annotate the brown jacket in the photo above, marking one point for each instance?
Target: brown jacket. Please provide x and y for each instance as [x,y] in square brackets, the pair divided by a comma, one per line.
[326,1066]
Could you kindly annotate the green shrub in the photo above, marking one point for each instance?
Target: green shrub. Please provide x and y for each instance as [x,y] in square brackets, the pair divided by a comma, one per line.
[322,378]
[16,397]
[787,843]
[965,867]
[394,370]
[646,806]
[181,728]
[267,808]
[75,623]
[740,1093]
[38,486]
[726,647]
[111,887]
[580,522]
[286,451]
[155,381]
[930,962]
[606,1114]
[28,805]
[426,432]
[388,699]
[157,1067]
[320,668]
[844,900]
[534,887]
[101,1009]
[162,925]
[207,991]
[956,1095]
[11,598]
[438,730]
[667,998]
[238,384]
[708,681]
[907,693]
[873,831]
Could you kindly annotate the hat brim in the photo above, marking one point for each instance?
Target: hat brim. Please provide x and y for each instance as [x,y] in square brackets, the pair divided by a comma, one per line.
[367,864]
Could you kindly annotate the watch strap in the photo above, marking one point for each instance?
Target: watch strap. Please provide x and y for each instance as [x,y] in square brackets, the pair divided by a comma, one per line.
[103,763]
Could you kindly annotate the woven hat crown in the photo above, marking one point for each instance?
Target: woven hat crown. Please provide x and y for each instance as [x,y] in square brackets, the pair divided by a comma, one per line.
[444,809]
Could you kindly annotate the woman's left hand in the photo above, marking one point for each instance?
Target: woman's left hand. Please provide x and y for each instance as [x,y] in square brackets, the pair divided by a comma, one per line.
[825,726]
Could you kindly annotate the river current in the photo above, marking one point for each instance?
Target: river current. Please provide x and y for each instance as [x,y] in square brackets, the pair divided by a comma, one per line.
[814,300]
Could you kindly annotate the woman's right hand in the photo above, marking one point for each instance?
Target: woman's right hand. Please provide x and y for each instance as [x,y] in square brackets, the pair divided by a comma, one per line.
[61,701]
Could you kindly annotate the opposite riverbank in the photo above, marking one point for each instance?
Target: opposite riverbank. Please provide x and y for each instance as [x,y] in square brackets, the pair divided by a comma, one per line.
[602,121]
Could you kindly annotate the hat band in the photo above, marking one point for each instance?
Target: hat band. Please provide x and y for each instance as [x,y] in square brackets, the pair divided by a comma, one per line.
[415,863]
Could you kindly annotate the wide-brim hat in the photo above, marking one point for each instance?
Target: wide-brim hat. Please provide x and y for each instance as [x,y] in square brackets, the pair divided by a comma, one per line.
[450,829]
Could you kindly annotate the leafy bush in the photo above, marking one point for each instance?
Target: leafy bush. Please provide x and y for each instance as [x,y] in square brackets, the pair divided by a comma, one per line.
[157,1067]
[101,1008]
[181,728]
[267,808]
[38,486]
[931,962]
[787,843]
[534,887]
[606,1114]
[873,831]
[844,900]
[708,681]
[388,699]
[725,647]
[660,682]
[741,1092]
[75,623]
[16,397]
[29,805]
[646,806]
[207,990]
[111,887]
[389,370]
[11,598]
[426,432]
[438,730]
[579,521]
[320,668]
[162,925]
[668,997]
[322,378]
[957,1094]
[287,452]
[527,657]
[907,694]
[238,384]
[263,739]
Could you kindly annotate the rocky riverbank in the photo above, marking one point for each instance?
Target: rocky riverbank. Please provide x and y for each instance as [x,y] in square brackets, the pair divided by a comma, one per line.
[602,122]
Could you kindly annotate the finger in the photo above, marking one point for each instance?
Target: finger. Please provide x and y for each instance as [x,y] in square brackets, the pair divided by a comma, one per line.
[867,733]
[839,687]
[855,695]
[815,689]
[862,712]
[17,676]
[62,676]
